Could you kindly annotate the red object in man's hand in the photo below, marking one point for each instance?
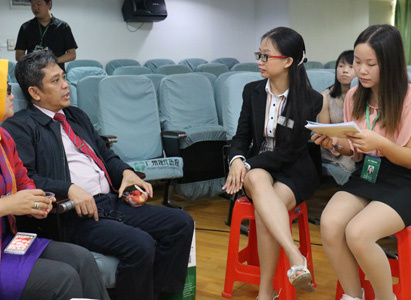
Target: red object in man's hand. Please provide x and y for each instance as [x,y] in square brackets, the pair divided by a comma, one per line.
[135,197]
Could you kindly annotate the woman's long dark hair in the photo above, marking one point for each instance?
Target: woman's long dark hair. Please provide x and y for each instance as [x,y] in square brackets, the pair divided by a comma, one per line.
[291,44]
[386,41]
[345,57]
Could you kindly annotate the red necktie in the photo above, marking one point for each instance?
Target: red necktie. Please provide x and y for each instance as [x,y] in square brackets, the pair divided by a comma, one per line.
[80,144]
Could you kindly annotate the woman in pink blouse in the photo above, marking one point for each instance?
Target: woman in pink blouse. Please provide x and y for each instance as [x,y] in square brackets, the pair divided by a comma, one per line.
[375,201]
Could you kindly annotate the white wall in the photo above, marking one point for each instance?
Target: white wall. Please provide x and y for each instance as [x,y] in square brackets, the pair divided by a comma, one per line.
[203,28]
[193,28]
[270,14]
[382,12]
[328,26]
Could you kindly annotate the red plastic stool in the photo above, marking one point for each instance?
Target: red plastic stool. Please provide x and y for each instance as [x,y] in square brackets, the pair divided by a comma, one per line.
[400,268]
[250,273]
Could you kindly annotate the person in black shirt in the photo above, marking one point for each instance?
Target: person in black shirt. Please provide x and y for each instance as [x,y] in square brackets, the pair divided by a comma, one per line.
[45,32]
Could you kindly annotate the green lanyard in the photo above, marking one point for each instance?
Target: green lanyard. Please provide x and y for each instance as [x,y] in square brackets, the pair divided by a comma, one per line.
[368,118]
[43,33]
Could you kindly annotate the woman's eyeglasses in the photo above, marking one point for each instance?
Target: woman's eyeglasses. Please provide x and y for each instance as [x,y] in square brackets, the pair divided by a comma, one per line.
[8,89]
[265,57]
[111,214]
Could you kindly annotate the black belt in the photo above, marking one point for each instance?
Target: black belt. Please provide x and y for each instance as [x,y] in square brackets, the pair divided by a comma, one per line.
[98,195]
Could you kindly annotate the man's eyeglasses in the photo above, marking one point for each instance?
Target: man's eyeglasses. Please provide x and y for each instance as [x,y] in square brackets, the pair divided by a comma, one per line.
[111,214]
[265,57]
[8,89]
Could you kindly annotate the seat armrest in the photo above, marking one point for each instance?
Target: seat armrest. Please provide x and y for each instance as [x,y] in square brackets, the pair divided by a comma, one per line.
[140,174]
[171,142]
[109,139]
[177,134]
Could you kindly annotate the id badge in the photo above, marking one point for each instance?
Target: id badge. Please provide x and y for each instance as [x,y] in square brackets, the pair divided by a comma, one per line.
[371,168]
[38,48]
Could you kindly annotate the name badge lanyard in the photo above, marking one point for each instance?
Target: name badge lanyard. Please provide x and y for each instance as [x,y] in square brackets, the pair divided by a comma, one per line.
[42,34]
[371,163]
[368,118]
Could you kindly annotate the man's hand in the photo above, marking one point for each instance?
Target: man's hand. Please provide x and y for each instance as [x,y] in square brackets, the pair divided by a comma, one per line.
[131,178]
[83,201]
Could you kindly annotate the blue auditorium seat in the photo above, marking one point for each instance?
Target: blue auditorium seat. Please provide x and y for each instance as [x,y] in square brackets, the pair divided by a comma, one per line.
[228,61]
[11,77]
[74,75]
[173,69]
[313,65]
[19,101]
[87,97]
[192,63]
[251,67]
[83,63]
[214,68]
[116,63]
[210,77]
[131,70]
[330,64]
[320,79]
[187,104]
[229,100]
[134,119]
[153,64]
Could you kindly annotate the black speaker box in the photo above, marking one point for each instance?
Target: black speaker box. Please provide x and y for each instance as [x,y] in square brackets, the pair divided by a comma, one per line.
[144,10]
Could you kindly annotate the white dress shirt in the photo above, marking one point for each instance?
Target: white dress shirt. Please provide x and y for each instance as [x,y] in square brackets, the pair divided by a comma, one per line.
[275,105]
[84,172]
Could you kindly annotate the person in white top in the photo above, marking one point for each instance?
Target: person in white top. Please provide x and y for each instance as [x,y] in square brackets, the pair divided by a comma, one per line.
[269,156]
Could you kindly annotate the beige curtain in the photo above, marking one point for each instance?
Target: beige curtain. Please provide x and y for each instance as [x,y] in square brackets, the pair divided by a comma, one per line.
[403,23]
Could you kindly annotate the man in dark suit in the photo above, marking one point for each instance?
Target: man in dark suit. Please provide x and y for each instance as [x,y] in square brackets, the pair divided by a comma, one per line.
[65,155]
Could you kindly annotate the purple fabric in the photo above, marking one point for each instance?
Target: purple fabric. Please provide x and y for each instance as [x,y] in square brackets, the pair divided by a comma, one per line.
[15,269]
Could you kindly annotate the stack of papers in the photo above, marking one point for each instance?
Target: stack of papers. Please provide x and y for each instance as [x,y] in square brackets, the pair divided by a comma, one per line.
[333,130]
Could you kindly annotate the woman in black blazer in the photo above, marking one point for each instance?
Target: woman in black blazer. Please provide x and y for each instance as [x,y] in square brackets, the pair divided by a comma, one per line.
[277,172]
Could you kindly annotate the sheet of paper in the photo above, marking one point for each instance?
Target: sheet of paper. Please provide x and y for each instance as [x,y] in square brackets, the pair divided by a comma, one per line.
[333,130]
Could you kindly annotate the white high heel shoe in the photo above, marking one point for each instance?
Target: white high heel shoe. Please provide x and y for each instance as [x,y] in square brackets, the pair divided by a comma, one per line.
[346,297]
[304,280]
[276,296]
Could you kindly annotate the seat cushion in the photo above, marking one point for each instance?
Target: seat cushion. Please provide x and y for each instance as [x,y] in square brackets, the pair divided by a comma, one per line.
[202,133]
[195,190]
[159,168]
[108,268]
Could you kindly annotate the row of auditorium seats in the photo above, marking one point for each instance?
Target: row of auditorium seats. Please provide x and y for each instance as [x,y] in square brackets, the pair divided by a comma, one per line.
[166,66]
[160,66]
[320,78]
[84,79]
